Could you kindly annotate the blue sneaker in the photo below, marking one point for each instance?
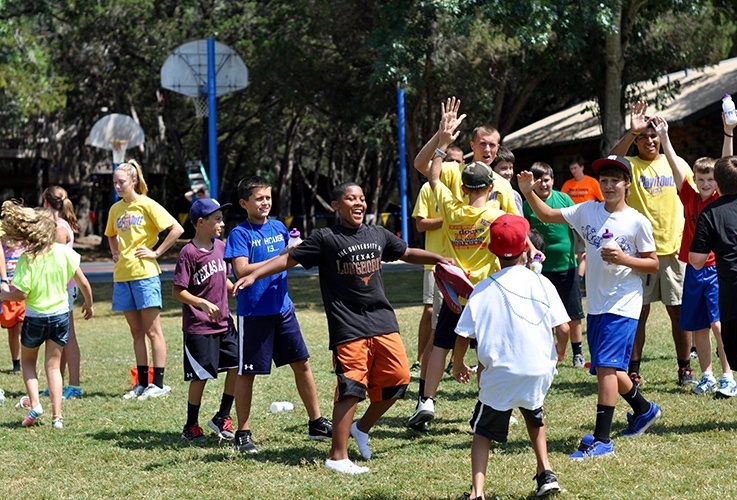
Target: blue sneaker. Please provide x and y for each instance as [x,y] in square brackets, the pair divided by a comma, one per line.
[71,391]
[638,425]
[590,448]
[44,393]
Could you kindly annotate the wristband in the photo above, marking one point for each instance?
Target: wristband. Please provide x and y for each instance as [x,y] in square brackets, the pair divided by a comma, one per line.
[440,153]
[728,135]
[638,133]
[7,282]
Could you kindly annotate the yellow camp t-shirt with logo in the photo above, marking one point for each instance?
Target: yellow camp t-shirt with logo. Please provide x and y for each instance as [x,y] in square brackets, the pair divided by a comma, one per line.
[504,199]
[136,224]
[466,230]
[427,208]
[654,194]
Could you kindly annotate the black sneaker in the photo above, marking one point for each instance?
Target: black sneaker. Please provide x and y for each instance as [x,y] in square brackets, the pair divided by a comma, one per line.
[244,442]
[193,434]
[546,483]
[422,427]
[321,429]
[685,376]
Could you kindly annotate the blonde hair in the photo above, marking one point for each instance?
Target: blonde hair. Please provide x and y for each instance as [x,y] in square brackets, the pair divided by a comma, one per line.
[134,171]
[33,229]
[57,198]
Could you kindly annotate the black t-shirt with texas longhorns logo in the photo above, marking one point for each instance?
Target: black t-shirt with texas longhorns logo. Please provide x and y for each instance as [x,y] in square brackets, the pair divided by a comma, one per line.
[351,280]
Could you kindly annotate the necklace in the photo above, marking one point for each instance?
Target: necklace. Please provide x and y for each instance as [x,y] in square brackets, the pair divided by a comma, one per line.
[504,291]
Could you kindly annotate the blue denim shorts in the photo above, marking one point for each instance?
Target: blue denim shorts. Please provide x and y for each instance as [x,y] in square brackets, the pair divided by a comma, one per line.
[37,330]
[136,295]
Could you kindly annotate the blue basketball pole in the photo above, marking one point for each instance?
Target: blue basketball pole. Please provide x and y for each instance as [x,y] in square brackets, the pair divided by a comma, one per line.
[212,118]
[402,164]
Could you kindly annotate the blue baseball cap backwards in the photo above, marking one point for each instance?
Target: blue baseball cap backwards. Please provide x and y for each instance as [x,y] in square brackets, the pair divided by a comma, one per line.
[204,207]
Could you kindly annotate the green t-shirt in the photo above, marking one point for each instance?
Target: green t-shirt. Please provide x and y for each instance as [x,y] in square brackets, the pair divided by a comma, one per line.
[560,252]
[44,279]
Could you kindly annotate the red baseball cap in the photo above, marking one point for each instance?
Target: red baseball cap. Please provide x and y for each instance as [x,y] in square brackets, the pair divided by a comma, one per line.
[508,235]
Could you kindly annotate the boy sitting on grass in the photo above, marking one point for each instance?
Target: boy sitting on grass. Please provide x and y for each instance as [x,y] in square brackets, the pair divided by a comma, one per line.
[511,315]
[201,284]
[614,291]
[368,354]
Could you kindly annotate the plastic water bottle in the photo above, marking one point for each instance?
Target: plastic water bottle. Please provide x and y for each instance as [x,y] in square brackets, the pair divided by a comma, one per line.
[537,264]
[281,406]
[607,240]
[730,117]
[294,237]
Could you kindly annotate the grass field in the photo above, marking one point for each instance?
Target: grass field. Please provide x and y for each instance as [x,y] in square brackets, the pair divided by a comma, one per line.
[115,448]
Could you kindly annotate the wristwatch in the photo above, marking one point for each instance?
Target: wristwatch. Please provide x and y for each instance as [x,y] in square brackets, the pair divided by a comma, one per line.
[440,153]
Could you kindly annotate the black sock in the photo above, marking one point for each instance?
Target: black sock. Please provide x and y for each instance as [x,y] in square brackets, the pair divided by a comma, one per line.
[143,375]
[16,364]
[604,416]
[226,403]
[159,377]
[638,403]
[634,366]
[576,347]
[422,388]
[193,414]
[684,363]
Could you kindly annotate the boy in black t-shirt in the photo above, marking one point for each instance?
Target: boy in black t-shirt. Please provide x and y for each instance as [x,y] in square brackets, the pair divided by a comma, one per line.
[368,354]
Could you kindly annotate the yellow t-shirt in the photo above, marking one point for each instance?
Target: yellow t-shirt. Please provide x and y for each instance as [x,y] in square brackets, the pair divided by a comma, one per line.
[504,199]
[466,230]
[427,208]
[654,194]
[136,224]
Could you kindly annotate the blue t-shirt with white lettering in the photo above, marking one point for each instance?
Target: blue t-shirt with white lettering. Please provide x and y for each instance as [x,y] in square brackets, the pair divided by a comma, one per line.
[259,242]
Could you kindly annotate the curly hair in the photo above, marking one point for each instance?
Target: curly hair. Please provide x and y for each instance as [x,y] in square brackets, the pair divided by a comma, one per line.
[33,229]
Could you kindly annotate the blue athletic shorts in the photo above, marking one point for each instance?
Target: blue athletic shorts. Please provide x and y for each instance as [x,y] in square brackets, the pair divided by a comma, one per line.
[610,339]
[136,295]
[38,329]
[700,306]
[264,338]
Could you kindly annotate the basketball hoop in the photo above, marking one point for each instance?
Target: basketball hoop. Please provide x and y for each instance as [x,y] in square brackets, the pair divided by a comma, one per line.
[201,105]
[119,147]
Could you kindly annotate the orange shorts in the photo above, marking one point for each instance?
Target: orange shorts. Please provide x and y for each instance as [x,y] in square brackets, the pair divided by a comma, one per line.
[375,365]
[12,313]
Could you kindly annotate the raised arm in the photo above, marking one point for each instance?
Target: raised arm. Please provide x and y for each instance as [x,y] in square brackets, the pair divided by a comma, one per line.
[638,124]
[661,128]
[424,224]
[526,183]
[727,149]
[449,114]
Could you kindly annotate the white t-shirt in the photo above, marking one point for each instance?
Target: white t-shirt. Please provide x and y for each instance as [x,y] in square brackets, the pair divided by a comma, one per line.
[511,315]
[611,288]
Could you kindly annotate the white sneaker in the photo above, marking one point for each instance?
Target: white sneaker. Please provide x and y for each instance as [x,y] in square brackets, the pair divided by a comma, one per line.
[424,412]
[154,391]
[2,396]
[727,388]
[345,466]
[134,393]
[362,439]
[579,361]
[705,385]
[57,423]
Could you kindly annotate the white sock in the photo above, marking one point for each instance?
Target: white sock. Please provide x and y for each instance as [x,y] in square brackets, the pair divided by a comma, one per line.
[362,439]
[708,373]
[728,376]
[345,466]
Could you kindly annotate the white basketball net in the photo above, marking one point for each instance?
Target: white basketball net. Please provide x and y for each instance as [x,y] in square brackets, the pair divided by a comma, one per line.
[119,148]
[201,106]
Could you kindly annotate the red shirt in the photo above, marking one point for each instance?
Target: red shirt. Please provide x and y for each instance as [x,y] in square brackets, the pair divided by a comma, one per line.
[692,207]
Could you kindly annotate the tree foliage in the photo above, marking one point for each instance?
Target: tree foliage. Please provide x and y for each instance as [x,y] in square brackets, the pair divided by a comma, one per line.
[321,103]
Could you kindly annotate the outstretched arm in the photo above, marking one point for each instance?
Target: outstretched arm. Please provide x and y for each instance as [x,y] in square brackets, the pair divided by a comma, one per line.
[661,128]
[526,183]
[638,124]
[727,149]
[263,269]
[423,257]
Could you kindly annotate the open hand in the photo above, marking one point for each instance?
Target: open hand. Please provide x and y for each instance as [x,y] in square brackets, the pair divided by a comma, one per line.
[242,283]
[526,182]
[638,120]
[449,122]
[660,125]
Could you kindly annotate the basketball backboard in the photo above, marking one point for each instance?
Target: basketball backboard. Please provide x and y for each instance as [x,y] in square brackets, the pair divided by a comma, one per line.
[116,132]
[185,70]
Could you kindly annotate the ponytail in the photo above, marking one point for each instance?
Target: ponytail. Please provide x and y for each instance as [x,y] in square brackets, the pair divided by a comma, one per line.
[134,171]
[57,199]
